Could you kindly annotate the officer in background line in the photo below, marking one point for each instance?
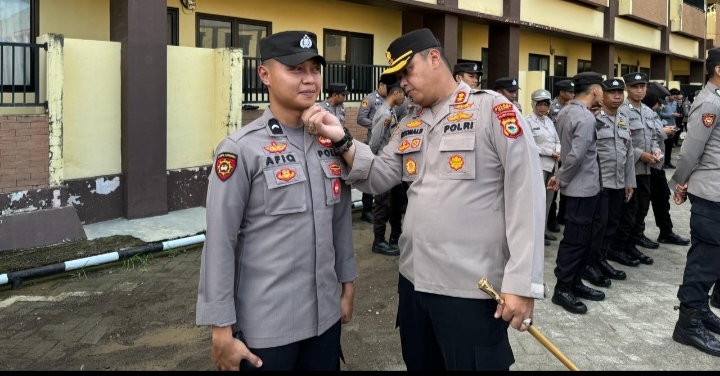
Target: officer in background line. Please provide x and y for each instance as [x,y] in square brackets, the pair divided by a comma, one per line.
[365,117]
[698,177]
[277,269]
[508,87]
[617,166]
[334,102]
[470,160]
[468,73]
[579,179]
[564,93]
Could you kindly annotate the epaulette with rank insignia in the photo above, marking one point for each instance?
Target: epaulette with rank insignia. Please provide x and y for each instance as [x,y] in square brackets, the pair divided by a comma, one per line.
[247,129]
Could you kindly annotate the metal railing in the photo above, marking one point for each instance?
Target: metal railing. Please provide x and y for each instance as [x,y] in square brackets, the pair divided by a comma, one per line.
[361,80]
[20,74]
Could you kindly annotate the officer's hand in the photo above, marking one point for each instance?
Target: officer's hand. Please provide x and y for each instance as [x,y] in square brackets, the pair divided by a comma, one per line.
[670,130]
[227,352]
[628,193]
[648,158]
[319,121]
[346,301]
[680,193]
[556,155]
[515,310]
[552,184]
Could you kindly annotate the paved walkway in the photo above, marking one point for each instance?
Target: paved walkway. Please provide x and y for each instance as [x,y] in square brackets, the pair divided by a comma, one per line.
[630,330]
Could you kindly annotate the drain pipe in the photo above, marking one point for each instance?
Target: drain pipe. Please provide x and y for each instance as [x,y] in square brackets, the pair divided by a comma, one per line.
[16,278]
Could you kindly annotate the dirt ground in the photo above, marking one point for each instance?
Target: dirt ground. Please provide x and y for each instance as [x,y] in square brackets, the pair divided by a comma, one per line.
[142,316]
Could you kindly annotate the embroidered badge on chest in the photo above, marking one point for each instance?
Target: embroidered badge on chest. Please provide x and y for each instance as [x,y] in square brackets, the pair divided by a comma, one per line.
[336,187]
[708,120]
[460,97]
[414,124]
[410,166]
[275,148]
[225,165]
[286,174]
[460,116]
[335,168]
[464,106]
[456,162]
[325,142]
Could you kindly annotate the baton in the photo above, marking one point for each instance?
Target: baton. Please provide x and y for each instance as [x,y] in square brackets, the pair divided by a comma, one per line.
[486,287]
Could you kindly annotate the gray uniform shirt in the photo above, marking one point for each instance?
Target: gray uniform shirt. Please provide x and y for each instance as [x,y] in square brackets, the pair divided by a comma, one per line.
[579,175]
[555,108]
[369,105]
[615,151]
[661,136]
[383,124]
[699,160]
[469,160]
[338,111]
[279,236]
[546,138]
[642,132]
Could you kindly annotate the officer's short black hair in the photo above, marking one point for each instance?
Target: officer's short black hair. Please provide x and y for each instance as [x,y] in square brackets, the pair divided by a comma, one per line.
[392,89]
[712,61]
[443,57]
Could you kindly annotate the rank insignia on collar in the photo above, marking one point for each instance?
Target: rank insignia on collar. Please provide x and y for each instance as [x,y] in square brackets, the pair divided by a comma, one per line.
[414,124]
[275,127]
[225,165]
[460,97]
[335,168]
[456,162]
[708,120]
[419,112]
[459,117]
[410,166]
[336,187]
[324,141]
[275,148]
[464,106]
[286,174]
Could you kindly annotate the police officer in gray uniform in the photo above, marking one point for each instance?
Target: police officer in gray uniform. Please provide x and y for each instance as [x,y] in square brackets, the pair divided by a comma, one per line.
[470,161]
[277,267]
[579,180]
[365,117]
[698,176]
[617,166]
[646,153]
[469,73]
[334,102]
[564,93]
[508,87]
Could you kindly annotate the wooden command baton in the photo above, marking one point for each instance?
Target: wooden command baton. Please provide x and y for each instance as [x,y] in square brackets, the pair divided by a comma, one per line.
[485,286]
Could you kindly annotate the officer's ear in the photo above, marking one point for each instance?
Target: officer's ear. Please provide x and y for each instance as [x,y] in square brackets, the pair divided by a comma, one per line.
[264,71]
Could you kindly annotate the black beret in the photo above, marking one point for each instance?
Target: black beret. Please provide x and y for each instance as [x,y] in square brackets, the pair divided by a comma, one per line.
[290,48]
[587,78]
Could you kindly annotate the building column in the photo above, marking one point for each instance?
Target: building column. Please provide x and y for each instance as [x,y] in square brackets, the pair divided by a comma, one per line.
[140,27]
[445,28]
[504,47]
[659,67]
[603,59]
[697,72]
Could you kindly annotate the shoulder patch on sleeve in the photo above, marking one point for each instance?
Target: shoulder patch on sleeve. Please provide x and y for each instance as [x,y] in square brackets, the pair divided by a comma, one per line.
[365,103]
[225,165]
[708,120]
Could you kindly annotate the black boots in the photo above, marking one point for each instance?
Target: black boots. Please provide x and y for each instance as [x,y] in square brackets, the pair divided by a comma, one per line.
[693,329]
[593,275]
[581,291]
[636,254]
[384,248]
[394,239]
[622,258]
[608,271]
[367,216]
[715,297]
[566,299]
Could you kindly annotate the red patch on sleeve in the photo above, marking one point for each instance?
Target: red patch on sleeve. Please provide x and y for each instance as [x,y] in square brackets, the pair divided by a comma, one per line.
[225,165]
[708,120]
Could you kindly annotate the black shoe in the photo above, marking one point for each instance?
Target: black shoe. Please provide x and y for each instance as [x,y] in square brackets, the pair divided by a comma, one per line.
[622,258]
[394,240]
[584,292]
[553,227]
[550,237]
[635,253]
[673,238]
[382,247]
[668,165]
[593,275]
[367,217]
[564,298]
[647,243]
[715,297]
[547,242]
[690,330]
[709,319]
[608,271]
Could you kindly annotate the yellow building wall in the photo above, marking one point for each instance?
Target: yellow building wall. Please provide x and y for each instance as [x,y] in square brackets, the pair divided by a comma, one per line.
[77,19]
[630,32]
[628,57]
[473,38]
[683,46]
[680,67]
[563,15]
[311,15]
[494,7]
[91,105]
[540,44]
[711,25]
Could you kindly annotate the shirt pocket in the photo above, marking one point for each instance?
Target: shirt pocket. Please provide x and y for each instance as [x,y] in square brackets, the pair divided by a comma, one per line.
[333,185]
[457,156]
[285,192]
[410,148]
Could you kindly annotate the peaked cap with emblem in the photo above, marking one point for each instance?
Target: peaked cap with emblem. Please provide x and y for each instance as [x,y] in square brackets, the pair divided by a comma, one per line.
[338,87]
[635,78]
[402,50]
[290,48]
[467,68]
[613,84]
[565,85]
[540,95]
[507,83]
[587,78]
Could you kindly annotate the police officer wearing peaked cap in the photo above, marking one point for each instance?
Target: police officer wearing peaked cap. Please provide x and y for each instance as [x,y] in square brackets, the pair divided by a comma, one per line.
[564,93]
[579,180]
[508,87]
[463,145]
[276,198]
[469,73]
[698,177]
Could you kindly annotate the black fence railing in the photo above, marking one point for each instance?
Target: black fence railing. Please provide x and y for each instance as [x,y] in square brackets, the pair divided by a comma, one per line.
[20,74]
[360,80]
[550,82]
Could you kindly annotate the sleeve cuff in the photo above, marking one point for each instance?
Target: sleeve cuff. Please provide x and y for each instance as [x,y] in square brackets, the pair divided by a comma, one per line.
[522,286]
[361,164]
[216,313]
